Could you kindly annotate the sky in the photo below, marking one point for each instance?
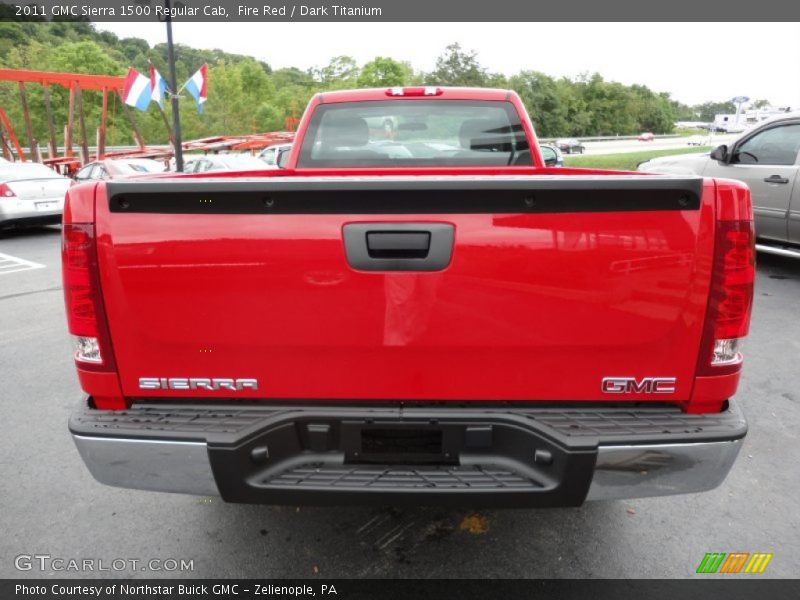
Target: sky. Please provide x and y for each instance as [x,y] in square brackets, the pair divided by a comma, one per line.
[694,62]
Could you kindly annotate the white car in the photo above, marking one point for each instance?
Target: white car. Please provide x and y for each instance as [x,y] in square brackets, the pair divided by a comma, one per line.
[223,162]
[270,154]
[698,140]
[30,194]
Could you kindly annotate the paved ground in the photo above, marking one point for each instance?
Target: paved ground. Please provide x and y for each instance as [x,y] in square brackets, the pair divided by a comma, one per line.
[51,505]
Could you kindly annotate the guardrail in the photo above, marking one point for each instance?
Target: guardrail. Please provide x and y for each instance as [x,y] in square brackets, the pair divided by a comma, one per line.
[608,138]
[93,150]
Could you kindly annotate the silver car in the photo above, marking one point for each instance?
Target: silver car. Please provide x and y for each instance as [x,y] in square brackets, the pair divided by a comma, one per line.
[767,159]
[270,154]
[224,162]
[30,194]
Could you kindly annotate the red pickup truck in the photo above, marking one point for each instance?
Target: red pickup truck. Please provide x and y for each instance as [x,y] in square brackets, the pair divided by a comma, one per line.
[414,310]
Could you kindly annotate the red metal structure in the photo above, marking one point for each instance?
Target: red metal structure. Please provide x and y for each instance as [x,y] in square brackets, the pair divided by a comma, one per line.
[76,83]
[6,151]
[109,86]
[228,143]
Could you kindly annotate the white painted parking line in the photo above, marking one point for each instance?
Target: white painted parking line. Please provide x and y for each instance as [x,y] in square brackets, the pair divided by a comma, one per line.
[12,264]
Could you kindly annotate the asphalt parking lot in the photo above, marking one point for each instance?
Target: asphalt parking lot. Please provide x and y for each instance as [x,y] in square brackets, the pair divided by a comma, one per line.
[50,505]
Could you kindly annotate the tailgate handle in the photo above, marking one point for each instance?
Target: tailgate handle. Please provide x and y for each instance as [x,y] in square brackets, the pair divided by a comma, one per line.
[398,246]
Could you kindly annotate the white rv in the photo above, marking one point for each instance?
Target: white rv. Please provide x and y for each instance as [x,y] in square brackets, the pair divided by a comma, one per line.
[747,118]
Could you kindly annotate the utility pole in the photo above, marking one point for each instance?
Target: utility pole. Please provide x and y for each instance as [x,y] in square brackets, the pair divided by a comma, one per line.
[176,117]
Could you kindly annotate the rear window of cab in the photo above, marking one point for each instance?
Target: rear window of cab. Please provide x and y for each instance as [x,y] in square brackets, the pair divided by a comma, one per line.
[411,133]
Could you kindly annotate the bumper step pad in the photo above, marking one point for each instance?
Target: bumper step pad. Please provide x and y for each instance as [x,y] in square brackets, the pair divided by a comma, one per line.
[393,477]
[225,424]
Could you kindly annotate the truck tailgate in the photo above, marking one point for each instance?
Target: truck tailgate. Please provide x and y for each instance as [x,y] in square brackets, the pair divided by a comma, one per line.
[551,284]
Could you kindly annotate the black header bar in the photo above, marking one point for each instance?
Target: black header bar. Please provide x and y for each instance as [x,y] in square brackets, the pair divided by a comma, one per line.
[407,10]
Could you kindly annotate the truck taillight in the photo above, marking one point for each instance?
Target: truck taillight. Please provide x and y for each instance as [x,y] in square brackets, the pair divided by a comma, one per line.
[85,314]
[732,280]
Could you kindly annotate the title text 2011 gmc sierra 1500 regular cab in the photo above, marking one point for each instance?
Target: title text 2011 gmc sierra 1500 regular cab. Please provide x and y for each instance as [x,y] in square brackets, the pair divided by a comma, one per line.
[420,313]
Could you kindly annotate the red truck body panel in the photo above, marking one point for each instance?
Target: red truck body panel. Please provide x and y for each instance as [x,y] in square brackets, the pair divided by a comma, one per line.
[532,306]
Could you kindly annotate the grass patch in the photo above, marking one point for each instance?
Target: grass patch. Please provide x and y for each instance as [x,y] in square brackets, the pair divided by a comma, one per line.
[626,161]
[689,131]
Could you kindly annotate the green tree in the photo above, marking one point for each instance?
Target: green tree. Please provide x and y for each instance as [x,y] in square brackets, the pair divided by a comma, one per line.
[383,72]
[542,98]
[577,113]
[269,118]
[292,76]
[12,35]
[246,95]
[457,67]
[134,49]
[707,110]
[340,73]
[653,112]
[84,57]
[610,104]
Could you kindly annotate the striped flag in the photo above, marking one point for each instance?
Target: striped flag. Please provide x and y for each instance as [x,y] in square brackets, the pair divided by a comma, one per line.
[158,86]
[136,90]
[197,86]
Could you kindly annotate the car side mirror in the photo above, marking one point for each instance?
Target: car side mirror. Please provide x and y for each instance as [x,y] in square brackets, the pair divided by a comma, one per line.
[282,158]
[720,153]
[548,155]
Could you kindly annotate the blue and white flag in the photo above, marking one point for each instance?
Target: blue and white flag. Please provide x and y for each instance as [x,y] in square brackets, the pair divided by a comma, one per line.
[197,86]
[158,85]
[136,90]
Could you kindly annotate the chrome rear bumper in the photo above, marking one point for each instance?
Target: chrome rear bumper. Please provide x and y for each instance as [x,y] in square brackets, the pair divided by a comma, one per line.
[698,462]
[660,470]
[620,472]
[157,465]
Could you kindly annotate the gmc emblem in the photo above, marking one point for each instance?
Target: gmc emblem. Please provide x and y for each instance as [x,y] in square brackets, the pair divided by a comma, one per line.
[645,385]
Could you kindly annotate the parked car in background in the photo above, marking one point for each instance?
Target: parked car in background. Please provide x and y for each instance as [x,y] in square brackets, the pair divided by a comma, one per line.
[30,194]
[646,137]
[767,159]
[698,140]
[270,154]
[223,162]
[551,155]
[570,146]
[113,168]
